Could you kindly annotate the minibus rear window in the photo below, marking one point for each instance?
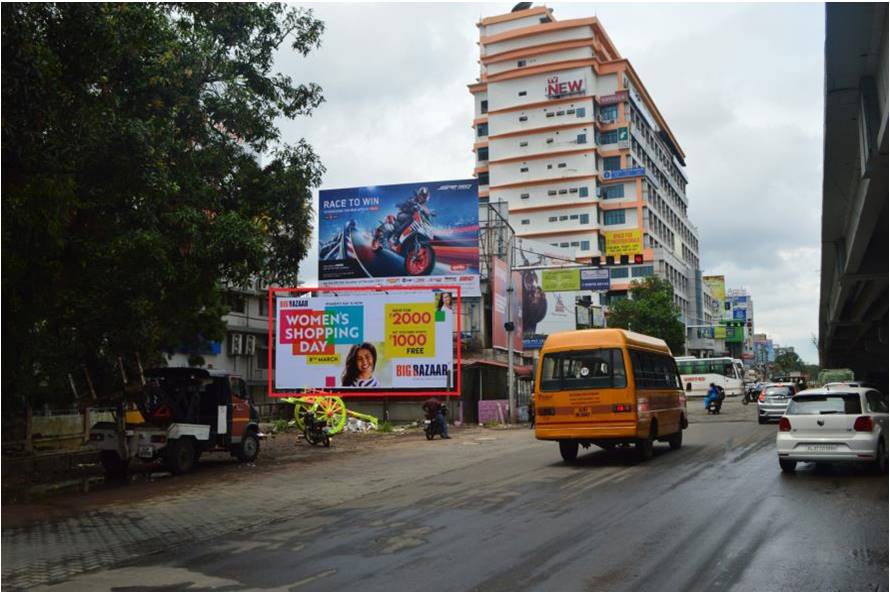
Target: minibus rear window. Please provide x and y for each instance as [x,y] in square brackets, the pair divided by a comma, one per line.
[596,368]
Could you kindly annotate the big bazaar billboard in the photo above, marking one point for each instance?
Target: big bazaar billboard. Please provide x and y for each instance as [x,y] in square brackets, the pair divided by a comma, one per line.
[373,341]
[423,233]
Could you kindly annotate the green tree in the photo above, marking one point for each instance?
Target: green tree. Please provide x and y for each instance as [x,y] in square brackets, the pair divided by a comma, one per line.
[651,310]
[132,185]
[789,361]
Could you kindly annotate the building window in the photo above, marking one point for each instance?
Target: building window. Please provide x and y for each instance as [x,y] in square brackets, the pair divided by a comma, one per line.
[563,191]
[574,244]
[641,271]
[585,219]
[483,178]
[522,93]
[613,217]
[551,220]
[561,165]
[482,153]
[564,218]
[550,114]
[264,307]
[559,113]
[611,163]
[483,107]
[523,144]
[613,191]
[601,243]
[520,64]
[573,217]
[523,170]
[585,245]
[619,273]
[236,302]
[582,139]
[580,112]
[564,244]
[523,118]
[570,111]
[551,192]
[549,141]
[549,166]
[482,129]
[524,196]
[525,221]
[573,190]
[582,192]
[608,137]
[609,113]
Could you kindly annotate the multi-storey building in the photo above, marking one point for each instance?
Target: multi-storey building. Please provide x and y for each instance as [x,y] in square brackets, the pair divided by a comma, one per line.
[569,137]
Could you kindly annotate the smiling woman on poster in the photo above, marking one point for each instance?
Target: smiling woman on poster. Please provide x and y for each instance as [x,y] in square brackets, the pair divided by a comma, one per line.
[360,365]
[445,301]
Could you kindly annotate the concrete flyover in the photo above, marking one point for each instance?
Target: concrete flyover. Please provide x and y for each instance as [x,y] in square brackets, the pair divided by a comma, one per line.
[853,301]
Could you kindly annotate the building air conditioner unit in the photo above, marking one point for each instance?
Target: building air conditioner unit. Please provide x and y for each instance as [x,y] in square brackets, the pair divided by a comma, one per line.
[236,343]
[250,344]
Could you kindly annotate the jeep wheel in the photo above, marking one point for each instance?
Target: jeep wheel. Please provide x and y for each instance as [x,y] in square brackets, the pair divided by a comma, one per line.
[249,448]
[180,455]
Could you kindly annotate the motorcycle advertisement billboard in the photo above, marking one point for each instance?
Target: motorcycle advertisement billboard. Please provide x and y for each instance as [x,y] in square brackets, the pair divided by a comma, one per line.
[423,233]
[543,313]
[499,306]
[373,341]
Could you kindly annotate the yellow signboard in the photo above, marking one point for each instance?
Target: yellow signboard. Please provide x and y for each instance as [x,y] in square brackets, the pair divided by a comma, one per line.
[623,243]
[717,285]
[410,329]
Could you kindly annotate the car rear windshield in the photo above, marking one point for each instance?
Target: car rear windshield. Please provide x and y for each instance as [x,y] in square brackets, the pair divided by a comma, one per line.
[778,391]
[571,370]
[825,404]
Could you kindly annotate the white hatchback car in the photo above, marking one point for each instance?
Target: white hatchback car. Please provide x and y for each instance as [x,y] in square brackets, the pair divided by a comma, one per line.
[835,425]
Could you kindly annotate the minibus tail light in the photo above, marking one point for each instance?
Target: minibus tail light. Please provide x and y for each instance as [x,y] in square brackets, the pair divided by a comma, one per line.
[622,408]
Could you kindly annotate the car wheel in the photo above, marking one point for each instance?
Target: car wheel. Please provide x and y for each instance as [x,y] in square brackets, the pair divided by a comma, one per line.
[250,447]
[788,465]
[676,440]
[881,456]
[568,449]
[180,455]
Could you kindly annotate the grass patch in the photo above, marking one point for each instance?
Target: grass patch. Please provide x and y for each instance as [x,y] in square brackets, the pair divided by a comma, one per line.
[385,427]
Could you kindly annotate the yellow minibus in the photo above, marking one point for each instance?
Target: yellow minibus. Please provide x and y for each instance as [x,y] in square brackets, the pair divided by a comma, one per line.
[608,387]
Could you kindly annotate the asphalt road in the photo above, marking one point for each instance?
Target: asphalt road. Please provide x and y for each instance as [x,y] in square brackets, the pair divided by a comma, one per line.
[497,510]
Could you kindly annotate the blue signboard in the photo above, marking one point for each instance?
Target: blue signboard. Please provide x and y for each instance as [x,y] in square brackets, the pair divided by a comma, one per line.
[533,342]
[622,173]
[595,279]
[739,314]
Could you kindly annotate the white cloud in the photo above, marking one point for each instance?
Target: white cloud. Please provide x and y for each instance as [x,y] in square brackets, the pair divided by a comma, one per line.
[741,86]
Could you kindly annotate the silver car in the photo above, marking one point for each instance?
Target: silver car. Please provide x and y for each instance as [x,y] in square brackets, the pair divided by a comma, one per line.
[773,401]
[834,426]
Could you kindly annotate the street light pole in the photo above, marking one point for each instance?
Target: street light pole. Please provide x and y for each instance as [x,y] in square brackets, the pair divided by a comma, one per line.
[511,383]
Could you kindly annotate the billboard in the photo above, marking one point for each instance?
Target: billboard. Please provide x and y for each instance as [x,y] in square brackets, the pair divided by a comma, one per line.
[499,306]
[543,313]
[423,233]
[595,279]
[717,286]
[561,280]
[401,339]
[623,243]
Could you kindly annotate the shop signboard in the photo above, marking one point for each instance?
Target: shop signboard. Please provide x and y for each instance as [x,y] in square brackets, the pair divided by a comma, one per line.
[612,99]
[595,279]
[369,341]
[561,280]
[626,242]
[417,234]
[739,314]
[623,173]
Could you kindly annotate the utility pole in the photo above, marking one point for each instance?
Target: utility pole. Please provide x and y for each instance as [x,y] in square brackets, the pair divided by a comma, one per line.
[510,327]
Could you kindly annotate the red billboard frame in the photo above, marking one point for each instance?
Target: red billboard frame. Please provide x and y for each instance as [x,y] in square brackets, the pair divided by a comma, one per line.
[349,393]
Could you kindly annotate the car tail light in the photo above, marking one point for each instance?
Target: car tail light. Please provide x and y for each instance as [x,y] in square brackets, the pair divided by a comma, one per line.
[762,396]
[863,424]
[784,424]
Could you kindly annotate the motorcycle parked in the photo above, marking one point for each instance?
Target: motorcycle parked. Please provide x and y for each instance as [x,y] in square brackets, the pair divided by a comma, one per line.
[414,244]
[315,430]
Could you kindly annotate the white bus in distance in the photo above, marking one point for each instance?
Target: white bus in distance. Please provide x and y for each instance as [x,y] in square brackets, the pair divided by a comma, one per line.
[698,374]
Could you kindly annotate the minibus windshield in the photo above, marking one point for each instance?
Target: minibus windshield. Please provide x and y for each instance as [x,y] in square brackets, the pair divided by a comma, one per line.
[595,368]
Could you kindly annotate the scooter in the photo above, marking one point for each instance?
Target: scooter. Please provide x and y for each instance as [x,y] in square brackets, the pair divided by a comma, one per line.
[315,430]
[716,404]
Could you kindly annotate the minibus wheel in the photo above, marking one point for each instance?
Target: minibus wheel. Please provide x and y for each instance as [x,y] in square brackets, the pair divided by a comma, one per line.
[644,446]
[568,448]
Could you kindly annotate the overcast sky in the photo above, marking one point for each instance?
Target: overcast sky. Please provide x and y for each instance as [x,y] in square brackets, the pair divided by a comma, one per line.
[740,85]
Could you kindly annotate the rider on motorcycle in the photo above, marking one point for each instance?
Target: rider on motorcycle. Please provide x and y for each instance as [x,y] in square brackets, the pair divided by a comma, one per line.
[435,411]
[713,394]
[406,213]
[386,228]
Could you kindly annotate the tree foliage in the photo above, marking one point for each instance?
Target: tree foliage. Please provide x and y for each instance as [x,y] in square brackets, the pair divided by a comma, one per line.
[651,310]
[789,361]
[131,177]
